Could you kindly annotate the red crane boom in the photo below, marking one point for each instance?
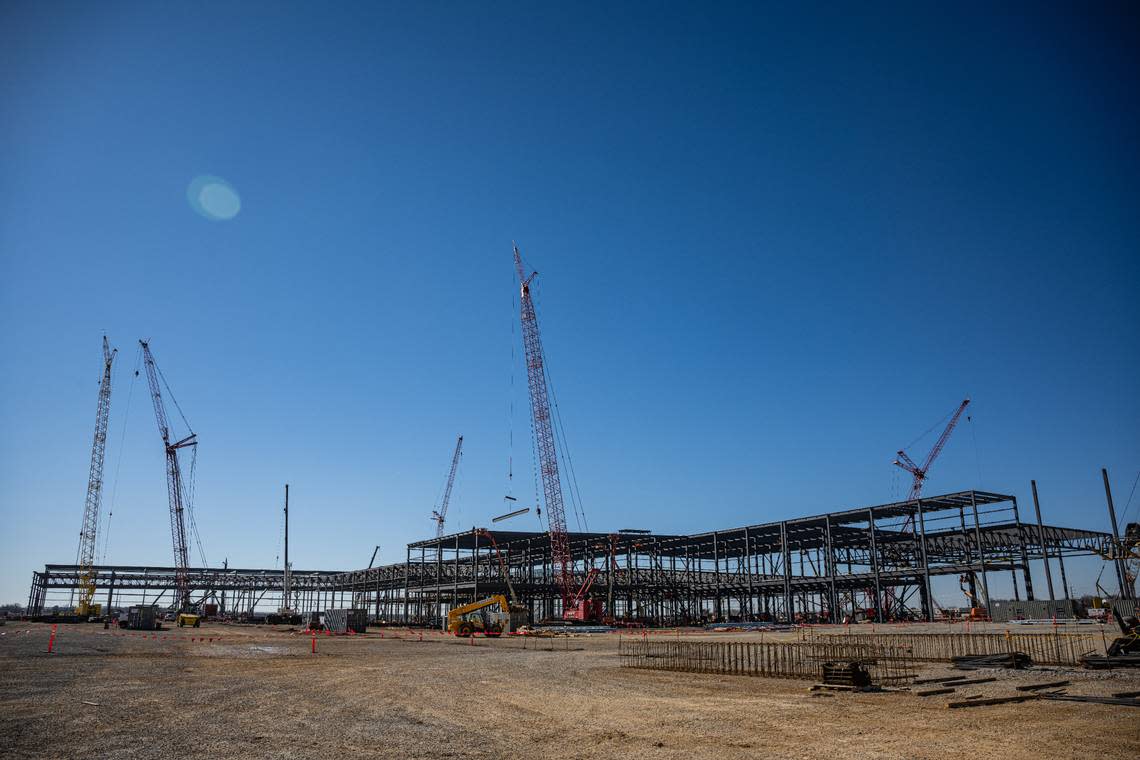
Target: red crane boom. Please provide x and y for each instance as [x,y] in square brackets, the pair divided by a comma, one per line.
[920,473]
[544,439]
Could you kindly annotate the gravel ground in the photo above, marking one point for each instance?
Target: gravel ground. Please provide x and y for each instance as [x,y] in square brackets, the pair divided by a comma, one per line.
[260,692]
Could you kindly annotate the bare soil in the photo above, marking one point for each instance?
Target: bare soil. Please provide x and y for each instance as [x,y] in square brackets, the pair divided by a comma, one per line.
[260,692]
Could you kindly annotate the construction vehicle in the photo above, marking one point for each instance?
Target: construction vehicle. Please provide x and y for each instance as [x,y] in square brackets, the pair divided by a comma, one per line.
[490,616]
[894,604]
[192,619]
[177,492]
[576,608]
[85,609]
[582,609]
[1129,643]
[977,608]
[1124,651]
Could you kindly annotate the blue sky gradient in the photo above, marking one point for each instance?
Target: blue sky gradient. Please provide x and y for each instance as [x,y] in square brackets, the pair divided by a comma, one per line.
[774,245]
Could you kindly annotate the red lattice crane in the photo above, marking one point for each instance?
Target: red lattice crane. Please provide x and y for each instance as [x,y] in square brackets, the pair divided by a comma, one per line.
[544,440]
[175,487]
[440,515]
[919,473]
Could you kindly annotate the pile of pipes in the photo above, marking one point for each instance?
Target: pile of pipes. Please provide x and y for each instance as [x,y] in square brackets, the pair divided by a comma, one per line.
[1012,660]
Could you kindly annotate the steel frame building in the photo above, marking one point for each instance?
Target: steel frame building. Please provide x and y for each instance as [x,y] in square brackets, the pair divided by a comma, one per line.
[876,560]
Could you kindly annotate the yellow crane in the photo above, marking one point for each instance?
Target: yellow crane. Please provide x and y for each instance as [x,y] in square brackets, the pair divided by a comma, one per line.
[86,608]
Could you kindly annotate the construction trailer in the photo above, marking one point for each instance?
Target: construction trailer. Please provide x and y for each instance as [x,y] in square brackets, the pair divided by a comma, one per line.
[876,562]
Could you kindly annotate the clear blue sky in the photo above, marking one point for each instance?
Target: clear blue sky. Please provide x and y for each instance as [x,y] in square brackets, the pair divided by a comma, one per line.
[774,247]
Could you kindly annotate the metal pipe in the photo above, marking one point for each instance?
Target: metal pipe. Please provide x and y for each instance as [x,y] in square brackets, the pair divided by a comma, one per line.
[1125,590]
[981,551]
[1041,538]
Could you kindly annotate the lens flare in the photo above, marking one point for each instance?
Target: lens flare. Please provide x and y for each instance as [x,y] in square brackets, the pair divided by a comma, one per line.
[213,198]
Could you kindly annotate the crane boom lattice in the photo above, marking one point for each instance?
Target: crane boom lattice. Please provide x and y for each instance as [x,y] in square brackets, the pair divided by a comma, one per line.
[544,437]
[95,486]
[919,473]
[440,515]
[176,493]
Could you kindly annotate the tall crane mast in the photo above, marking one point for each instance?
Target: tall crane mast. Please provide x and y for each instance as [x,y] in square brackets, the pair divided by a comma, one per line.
[174,485]
[919,473]
[440,515]
[94,487]
[544,438]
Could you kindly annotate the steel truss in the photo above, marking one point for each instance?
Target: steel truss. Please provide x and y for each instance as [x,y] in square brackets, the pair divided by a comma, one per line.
[821,567]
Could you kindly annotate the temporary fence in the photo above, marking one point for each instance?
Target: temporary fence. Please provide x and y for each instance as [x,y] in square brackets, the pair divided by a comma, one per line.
[1054,648]
[886,665]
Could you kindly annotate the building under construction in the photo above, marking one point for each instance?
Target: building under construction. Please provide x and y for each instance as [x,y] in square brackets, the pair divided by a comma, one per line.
[871,561]
[876,562]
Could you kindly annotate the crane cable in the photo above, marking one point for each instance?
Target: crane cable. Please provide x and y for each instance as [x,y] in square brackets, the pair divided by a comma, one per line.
[119,458]
[974,436]
[193,465]
[1128,504]
[560,436]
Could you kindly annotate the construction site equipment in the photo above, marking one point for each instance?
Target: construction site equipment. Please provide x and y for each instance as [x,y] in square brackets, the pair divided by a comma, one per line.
[582,609]
[1124,651]
[509,515]
[1014,660]
[574,604]
[285,613]
[1039,686]
[503,570]
[893,604]
[1053,648]
[886,666]
[94,491]
[174,481]
[992,701]
[343,621]
[490,616]
[919,473]
[142,617]
[191,619]
[846,674]
[1092,700]
[440,514]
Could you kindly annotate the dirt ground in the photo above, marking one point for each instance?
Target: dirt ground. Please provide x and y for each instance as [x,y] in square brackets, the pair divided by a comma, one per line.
[260,692]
